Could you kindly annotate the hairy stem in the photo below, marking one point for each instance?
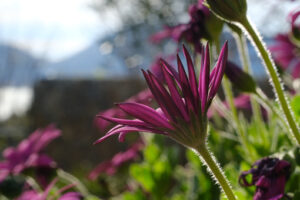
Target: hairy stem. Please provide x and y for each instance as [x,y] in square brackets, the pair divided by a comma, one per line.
[274,77]
[215,170]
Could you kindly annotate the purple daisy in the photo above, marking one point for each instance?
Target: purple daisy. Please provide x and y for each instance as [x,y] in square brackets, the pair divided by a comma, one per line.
[192,32]
[28,153]
[182,105]
[269,175]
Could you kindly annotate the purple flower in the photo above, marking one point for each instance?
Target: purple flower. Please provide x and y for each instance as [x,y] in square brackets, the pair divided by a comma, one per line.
[111,167]
[28,153]
[269,175]
[182,106]
[294,26]
[192,32]
[286,51]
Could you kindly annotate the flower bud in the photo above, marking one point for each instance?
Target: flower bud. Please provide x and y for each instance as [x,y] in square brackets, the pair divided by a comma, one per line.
[229,10]
[240,79]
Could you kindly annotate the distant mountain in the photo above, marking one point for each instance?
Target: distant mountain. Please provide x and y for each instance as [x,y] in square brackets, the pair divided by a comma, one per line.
[17,67]
[115,56]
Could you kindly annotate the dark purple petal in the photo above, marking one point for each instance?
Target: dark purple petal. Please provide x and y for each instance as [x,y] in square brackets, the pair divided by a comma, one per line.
[186,90]
[127,129]
[135,122]
[157,96]
[220,68]
[166,99]
[145,113]
[192,75]
[170,69]
[204,79]
[175,94]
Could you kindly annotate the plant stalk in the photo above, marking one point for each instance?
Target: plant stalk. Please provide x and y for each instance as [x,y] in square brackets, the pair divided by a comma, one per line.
[215,170]
[276,82]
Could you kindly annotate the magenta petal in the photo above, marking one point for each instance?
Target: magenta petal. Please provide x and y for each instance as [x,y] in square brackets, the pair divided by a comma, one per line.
[128,122]
[157,95]
[192,75]
[186,90]
[165,97]
[220,68]
[145,113]
[204,79]
[127,129]
[170,69]
[175,94]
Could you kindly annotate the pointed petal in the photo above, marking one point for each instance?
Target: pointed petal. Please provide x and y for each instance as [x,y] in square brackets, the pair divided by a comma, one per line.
[126,129]
[167,101]
[220,68]
[170,69]
[175,94]
[191,70]
[145,113]
[204,78]
[156,95]
[186,90]
[135,122]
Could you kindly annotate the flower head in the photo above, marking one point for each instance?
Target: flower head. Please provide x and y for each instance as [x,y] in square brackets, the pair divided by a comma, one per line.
[269,175]
[193,31]
[182,105]
[28,153]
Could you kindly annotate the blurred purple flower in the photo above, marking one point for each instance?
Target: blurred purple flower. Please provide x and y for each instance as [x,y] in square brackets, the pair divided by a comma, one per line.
[285,51]
[294,25]
[192,32]
[111,167]
[286,54]
[269,175]
[183,107]
[28,153]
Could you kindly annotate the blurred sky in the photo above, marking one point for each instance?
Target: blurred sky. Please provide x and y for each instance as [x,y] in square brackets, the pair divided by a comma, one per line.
[51,28]
[56,29]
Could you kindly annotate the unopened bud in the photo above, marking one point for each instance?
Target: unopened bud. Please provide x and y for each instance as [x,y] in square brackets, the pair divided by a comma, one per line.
[229,10]
[240,79]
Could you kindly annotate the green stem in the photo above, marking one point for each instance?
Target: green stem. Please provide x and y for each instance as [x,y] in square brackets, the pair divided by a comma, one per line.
[72,179]
[215,170]
[239,127]
[243,51]
[276,82]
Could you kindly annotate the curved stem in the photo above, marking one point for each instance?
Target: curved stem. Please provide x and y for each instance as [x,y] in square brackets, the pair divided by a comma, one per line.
[215,170]
[73,180]
[276,82]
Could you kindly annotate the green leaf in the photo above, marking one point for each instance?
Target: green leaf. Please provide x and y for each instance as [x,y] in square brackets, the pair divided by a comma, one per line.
[143,175]
[295,104]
